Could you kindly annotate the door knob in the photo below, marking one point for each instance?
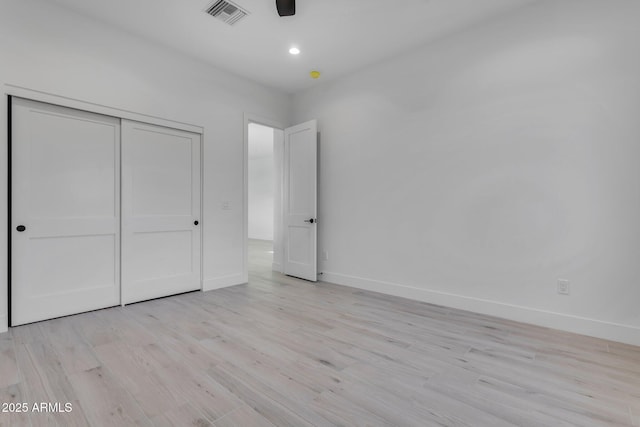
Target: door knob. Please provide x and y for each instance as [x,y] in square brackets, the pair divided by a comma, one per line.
[310,221]
[21,228]
[195,222]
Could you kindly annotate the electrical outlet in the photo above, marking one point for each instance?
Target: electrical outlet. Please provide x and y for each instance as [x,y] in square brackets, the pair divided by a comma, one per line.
[563,287]
[325,255]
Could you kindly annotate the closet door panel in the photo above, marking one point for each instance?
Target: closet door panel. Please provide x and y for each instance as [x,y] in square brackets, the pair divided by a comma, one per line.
[160,211]
[65,241]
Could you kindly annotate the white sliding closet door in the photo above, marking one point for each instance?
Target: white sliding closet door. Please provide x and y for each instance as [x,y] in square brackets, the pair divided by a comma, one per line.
[65,230]
[160,211]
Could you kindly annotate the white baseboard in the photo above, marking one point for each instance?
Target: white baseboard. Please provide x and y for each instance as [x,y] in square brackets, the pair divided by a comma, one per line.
[223,282]
[580,325]
[4,324]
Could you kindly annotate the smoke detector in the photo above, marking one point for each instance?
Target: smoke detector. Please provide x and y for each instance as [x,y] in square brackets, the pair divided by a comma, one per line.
[226,11]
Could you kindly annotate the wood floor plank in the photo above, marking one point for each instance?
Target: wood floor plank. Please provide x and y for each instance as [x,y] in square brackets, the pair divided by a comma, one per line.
[256,396]
[12,418]
[185,415]
[6,342]
[105,402]
[463,386]
[544,407]
[8,368]
[341,412]
[280,388]
[242,417]
[94,328]
[539,384]
[134,368]
[34,384]
[73,351]
[634,413]
[394,409]
[199,390]
[28,333]
[44,382]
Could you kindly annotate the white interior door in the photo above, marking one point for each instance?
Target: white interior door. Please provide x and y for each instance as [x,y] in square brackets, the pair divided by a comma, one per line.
[160,211]
[300,200]
[65,211]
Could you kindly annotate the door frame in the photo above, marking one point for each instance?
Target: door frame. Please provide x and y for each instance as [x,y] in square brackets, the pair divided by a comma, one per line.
[260,120]
[91,107]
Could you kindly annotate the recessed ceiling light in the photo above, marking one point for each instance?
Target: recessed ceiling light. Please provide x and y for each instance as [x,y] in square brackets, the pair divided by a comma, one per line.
[294,51]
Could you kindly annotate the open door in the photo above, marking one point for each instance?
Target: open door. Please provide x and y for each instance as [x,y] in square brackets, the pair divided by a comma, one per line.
[300,200]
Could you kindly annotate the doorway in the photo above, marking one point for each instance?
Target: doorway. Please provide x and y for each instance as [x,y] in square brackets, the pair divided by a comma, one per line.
[292,249]
[263,192]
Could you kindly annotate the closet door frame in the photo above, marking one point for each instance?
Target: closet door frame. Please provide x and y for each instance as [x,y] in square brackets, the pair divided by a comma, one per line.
[11,90]
[91,107]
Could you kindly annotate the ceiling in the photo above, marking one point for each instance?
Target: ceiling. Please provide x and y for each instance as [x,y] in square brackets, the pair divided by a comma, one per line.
[336,37]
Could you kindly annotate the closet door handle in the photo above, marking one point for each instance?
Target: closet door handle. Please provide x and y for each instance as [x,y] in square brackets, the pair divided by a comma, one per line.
[21,228]
[195,222]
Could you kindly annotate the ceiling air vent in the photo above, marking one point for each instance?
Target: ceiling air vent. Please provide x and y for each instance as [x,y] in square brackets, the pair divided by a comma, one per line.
[226,11]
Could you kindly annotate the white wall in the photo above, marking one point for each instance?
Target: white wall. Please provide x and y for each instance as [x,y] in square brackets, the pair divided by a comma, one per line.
[478,170]
[46,48]
[261,182]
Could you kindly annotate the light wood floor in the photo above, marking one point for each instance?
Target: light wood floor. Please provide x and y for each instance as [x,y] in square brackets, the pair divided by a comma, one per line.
[284,352]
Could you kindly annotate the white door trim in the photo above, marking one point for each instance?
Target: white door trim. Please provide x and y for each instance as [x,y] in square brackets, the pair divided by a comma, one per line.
[65,101]
[251,118]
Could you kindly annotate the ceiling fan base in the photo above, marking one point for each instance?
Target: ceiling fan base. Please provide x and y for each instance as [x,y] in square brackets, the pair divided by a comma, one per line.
[286,7]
